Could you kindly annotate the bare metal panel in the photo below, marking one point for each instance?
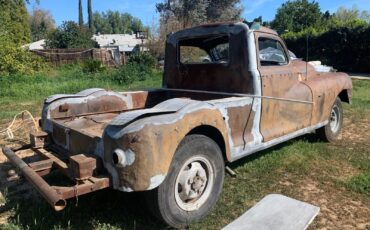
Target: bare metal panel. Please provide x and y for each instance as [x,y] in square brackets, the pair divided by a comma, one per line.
[276,212]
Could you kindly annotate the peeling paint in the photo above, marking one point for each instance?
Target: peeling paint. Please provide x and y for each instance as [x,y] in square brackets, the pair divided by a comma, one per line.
[156,181]
[130,157]
[125,189]
[54,102]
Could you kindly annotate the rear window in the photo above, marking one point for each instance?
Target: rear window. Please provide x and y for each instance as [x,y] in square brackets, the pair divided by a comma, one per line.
[205,50]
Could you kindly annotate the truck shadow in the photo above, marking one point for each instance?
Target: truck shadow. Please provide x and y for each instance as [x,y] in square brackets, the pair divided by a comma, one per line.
[107,209]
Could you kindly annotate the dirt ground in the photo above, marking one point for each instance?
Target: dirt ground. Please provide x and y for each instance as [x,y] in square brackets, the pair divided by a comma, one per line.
[15,188]
[339,209]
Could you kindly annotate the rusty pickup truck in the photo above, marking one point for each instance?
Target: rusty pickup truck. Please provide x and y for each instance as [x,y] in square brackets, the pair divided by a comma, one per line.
[229,90]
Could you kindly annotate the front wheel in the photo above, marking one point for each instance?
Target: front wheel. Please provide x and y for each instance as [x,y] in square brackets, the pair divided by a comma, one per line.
[331,132]
[193,184]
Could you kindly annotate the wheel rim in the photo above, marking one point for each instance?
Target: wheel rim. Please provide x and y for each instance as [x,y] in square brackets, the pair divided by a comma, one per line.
[194,183]
[335,119]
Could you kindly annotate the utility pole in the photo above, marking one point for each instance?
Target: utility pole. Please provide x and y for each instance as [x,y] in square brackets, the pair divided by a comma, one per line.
[80,14]
[91,23]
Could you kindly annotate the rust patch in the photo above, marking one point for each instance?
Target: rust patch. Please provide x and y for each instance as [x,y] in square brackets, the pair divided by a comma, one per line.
[155,146]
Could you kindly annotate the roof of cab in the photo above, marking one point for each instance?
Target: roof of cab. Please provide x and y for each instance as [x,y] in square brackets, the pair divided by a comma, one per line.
[262,29]
[267,30]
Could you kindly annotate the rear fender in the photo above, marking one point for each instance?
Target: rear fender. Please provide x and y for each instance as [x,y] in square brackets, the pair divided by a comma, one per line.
[151,143]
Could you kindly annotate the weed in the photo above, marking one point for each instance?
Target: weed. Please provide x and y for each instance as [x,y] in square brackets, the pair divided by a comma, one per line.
[93,66]
[360,183]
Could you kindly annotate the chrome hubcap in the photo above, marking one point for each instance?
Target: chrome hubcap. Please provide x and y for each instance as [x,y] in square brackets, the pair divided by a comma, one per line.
[335,119]
[194,183]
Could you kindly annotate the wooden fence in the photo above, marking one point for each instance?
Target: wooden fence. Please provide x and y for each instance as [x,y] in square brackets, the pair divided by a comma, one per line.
[58,57]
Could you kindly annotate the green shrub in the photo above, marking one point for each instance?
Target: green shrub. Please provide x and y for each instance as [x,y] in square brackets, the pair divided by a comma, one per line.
[93,66]
[16,60]
[70,35]
[130,73]
[345,48]
[141,58]
[14,21]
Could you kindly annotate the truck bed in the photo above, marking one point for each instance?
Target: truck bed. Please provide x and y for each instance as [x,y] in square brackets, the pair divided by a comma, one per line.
[91,125]
[78,127]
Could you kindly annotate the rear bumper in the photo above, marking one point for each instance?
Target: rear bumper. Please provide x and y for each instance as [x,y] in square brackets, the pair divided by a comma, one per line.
[57,196]
[50,194]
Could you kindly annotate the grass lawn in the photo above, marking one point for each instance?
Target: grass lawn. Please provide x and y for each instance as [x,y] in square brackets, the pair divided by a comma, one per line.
[335,177]
[19,93]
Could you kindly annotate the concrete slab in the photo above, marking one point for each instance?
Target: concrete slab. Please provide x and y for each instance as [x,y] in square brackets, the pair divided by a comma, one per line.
[360,76]
[276,212]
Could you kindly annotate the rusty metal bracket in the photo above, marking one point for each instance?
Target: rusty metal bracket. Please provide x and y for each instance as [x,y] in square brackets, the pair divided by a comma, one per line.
[54,195]
[50,195]
[87,186]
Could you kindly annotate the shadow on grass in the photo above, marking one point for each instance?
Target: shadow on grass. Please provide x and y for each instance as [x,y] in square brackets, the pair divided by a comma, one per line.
[107,209]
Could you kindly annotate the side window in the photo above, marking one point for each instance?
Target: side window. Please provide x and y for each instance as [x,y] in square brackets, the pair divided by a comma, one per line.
[271,52]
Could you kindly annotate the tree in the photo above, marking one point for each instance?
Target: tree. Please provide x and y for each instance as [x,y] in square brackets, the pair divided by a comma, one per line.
[259,20]
[14,21]
[365,15]
[17,60]
[194,12]
[180,14]
[80,14]
[224,10]
[90,12]
[186,12]
[14,32]
[101,23]
[70,35]
[136,25]
[346,16]
[41,23]
[296,15]
[114,22]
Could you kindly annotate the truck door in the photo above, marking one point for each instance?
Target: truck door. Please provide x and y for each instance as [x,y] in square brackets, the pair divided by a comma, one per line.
[286,100]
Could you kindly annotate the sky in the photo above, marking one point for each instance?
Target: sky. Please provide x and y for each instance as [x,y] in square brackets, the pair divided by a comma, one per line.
[145,9]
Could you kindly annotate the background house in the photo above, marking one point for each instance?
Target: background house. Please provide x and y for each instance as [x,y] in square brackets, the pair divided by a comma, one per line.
[38,45]
[124,42]
[121,45]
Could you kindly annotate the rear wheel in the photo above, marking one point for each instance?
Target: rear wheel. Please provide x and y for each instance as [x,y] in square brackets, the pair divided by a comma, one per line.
[193,184]
[331,132]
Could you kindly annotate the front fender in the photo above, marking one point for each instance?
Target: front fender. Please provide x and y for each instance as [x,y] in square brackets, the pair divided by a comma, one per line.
[326,87]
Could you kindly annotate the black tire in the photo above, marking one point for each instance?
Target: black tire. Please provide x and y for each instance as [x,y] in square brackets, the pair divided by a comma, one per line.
[162,201]
[332,131]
